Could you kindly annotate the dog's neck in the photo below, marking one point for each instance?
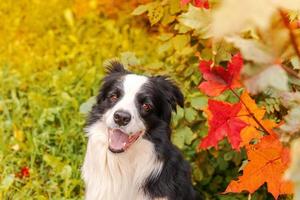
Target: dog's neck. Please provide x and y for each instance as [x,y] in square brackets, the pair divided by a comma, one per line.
[120,176]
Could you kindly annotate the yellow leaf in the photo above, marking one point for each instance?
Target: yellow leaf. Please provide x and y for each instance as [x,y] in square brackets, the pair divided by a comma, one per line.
[155,13]
[69,17]
[18,134]
[140,9]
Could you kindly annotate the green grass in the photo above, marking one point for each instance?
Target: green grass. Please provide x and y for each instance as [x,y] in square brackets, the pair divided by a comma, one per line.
[48,68]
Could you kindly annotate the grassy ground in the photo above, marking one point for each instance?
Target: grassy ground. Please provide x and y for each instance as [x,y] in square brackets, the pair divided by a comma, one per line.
[50,63]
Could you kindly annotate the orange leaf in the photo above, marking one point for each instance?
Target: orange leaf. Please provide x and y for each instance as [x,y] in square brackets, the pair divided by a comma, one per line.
[268,160]
[248,134]
[257,112]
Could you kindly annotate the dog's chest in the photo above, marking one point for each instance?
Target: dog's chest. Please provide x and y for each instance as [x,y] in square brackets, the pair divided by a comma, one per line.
[110,176]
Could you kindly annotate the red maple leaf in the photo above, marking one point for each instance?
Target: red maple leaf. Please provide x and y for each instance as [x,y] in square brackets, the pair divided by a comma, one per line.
[218,79]
[197,3]
[268,160]
[223,121]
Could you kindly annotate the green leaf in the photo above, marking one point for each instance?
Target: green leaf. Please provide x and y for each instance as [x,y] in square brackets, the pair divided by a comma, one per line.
[190,114]
[182,136]
[178,115]
[199,103]
[180,41]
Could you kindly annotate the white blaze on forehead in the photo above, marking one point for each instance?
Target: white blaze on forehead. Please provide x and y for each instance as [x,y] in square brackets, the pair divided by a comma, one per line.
[132,85]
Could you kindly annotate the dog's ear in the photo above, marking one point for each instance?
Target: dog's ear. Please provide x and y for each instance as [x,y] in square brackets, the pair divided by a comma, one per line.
[171,91]
[114,66]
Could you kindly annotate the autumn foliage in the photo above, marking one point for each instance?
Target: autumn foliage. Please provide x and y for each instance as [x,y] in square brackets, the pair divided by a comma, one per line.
[242,123]
[237,63]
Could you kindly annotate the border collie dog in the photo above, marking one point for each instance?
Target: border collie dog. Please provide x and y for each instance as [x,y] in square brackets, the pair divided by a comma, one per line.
[129,153]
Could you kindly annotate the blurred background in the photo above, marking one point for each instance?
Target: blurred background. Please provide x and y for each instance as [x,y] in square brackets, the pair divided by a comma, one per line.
[51,66]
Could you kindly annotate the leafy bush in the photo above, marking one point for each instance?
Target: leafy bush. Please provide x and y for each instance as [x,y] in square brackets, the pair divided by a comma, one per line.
[267,35]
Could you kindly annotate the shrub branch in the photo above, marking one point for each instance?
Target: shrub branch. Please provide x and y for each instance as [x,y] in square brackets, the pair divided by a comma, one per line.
[250,113]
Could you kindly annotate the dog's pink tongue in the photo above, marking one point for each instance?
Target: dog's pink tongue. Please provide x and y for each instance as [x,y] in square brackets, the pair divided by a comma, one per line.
[117,139]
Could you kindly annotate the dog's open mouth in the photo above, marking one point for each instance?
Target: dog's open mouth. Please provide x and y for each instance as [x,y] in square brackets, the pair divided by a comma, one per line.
[118,141]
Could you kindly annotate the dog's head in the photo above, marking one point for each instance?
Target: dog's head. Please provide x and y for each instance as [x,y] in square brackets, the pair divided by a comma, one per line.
[130,105]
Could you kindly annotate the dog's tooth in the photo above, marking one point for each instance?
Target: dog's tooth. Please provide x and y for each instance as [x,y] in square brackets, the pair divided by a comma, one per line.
[124,143]
[109,140]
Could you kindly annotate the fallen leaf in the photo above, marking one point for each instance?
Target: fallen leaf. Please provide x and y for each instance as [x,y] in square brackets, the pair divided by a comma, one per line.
[218,79]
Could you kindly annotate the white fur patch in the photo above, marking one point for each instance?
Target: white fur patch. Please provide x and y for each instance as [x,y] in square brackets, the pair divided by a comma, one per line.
[110,176]
[131,86]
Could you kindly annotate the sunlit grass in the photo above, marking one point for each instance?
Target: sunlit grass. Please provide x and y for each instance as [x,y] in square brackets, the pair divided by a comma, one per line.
[49,67]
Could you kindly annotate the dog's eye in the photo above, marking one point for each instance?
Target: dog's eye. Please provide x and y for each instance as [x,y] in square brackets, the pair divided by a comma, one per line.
[113,97]
[147,107]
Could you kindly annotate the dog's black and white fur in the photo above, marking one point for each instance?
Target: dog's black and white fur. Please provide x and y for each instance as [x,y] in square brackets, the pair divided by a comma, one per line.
[129,153]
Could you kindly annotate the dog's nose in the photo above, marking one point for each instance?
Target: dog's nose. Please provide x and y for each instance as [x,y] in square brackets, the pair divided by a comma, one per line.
[122,118]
